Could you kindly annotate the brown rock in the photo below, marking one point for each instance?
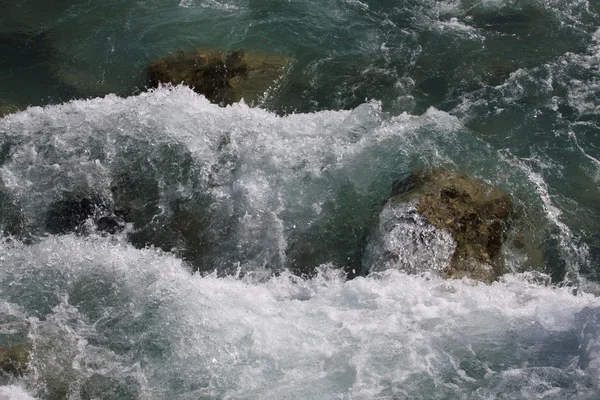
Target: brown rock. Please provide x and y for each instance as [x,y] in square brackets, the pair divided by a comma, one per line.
[473,212]
[7,108]
[14,360]
[224,78]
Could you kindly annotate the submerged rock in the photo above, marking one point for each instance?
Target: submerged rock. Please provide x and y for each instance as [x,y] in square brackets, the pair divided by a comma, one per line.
[177,225]
[12,220]
[224,78]
[14,360]
[460,220]
[73,213]
[7,108]
[496,72]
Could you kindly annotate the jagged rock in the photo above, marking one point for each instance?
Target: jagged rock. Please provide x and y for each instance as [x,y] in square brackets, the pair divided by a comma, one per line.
[473,213]
[14,360]
[224,78]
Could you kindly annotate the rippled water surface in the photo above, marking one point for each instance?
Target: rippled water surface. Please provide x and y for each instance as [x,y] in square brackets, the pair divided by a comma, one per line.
[230,276]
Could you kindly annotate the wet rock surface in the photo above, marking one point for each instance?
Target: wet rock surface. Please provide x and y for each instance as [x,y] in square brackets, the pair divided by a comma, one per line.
[7,107]
[224,78]
[474,213]
[14,360]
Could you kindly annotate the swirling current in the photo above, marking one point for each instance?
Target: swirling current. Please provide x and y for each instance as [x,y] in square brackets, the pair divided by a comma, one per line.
[246,265]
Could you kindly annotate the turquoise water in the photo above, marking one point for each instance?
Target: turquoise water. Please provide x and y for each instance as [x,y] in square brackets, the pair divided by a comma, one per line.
[229,279]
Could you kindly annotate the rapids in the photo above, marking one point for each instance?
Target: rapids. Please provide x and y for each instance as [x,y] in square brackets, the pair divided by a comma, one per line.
[247,263]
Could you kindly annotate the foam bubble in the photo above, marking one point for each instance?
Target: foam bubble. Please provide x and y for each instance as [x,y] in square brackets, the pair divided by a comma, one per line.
[13,392]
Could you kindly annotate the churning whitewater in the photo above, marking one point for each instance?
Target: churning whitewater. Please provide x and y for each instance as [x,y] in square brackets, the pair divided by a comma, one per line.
[103,315]
[154,245]
[138,318]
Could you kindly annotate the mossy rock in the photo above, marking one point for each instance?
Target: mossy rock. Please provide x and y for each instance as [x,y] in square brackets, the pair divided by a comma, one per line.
[224,78]
[14,360]
[473,212]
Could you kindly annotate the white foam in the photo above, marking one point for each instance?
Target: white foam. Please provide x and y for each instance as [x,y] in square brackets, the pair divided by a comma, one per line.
[388,334]
[266,177]
[595,163]
[404,240]
[13,392]
[583,94]
[224,5]
[575,253]
[454,26]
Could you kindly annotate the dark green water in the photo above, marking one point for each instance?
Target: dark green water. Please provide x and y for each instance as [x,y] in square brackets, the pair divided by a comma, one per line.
[507,91]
